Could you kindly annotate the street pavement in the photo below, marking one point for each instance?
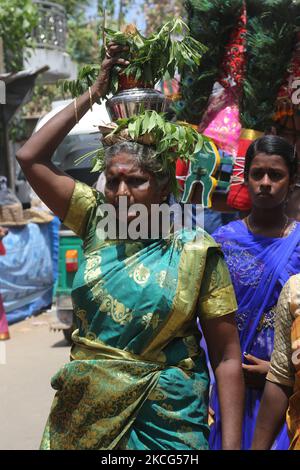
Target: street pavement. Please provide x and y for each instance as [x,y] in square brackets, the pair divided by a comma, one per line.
[33,356]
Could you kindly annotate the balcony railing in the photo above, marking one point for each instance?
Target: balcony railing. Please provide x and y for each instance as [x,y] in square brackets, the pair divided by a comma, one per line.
[51,30]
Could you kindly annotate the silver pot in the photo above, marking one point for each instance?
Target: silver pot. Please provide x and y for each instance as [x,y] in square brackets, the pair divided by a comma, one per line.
[134,101]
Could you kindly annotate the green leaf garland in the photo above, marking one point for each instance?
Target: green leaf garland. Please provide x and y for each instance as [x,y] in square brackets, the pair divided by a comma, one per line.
[170,141]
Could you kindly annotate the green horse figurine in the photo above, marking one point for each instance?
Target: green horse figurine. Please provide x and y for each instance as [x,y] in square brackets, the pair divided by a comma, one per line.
[202,169]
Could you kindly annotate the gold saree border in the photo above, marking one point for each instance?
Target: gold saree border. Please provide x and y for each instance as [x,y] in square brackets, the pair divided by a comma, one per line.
[75,218]
[212,307]
[99,350]
[191,266]
[85,349]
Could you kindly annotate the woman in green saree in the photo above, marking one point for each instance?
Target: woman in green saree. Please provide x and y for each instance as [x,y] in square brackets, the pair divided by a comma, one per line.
[138,378]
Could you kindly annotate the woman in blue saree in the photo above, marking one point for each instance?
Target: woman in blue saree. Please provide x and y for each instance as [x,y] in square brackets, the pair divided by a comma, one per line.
[137,377]
[262,252]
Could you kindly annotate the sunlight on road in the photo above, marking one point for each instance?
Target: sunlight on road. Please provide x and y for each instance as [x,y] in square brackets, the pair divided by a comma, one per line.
[27,362]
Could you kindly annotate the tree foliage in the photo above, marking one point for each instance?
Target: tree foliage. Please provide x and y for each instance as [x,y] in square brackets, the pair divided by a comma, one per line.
[169,141]
[73,7]
[17,20]
[82,40]
[85,35]
[156,11]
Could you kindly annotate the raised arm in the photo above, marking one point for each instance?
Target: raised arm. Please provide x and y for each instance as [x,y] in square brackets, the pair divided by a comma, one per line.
[52,185]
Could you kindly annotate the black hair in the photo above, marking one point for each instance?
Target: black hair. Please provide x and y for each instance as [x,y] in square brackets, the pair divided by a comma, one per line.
[272,145]
[145,157]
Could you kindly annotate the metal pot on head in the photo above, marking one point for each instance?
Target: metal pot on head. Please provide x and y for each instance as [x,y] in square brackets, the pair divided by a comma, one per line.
[134,101]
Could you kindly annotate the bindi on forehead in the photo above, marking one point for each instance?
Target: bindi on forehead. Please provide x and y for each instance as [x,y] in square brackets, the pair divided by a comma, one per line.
[124,169]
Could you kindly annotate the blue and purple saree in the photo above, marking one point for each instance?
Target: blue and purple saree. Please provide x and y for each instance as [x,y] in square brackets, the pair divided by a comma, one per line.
[259,267]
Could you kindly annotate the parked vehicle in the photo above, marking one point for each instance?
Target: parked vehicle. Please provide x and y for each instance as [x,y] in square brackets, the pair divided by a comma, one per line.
[69,259]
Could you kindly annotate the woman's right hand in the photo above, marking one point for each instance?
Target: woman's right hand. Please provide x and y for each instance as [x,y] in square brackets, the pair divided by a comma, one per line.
[112,57]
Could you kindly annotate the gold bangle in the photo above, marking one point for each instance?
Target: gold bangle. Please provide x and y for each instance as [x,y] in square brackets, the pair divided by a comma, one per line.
[91,101]
[76,112]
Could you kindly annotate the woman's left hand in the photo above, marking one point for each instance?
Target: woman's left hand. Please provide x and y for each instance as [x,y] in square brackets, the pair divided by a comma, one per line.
[255,372]
[111,59]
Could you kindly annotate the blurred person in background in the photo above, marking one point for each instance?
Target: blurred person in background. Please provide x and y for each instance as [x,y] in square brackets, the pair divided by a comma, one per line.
[4,333]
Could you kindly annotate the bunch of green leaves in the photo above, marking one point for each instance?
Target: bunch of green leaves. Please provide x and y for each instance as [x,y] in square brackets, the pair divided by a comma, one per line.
[162,52]
[170,141]
[86,77]
[151,59]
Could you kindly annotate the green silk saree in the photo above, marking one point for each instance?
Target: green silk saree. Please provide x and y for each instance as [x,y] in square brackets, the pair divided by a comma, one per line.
[137,378]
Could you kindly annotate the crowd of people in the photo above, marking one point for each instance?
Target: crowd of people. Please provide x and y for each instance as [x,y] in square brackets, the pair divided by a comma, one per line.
[138,378]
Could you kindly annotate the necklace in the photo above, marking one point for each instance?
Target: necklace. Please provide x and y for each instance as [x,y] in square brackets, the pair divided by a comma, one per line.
[286,223]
